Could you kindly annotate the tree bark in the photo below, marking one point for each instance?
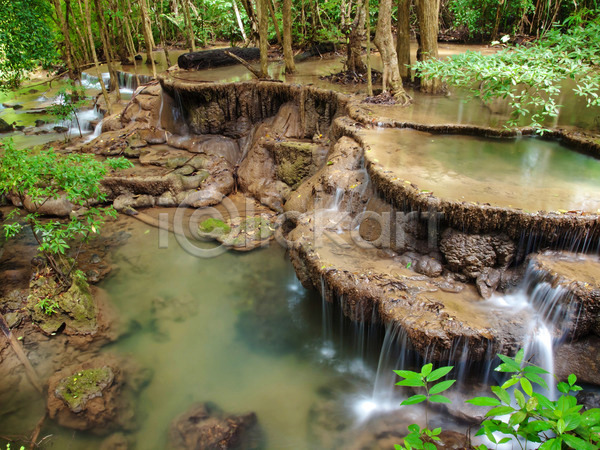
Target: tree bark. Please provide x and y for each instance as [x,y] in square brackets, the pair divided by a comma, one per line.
[114,79]
[253,20]
[163,41]
[354,62]
[403,39]
[385,43]
[261,9]
[428,17]
[275,24]
[188,25]
[239,20]
[288,54]
[369,77]
[147,37]
[64,27]
[95,56]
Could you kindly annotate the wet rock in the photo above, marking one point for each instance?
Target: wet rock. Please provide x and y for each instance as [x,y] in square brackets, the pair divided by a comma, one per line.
[73,309]
[471,253]
[39,122]
[5,127]
[487,282]
[204,426]
[429,266]
[589,400]
[83,386]
[125,201]
[577,276]
[60,129]
[341,184]
[581,358]
[96,396]
[59,207]
[116,441]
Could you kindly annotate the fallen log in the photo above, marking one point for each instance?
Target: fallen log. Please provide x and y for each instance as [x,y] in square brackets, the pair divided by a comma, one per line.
[216,58]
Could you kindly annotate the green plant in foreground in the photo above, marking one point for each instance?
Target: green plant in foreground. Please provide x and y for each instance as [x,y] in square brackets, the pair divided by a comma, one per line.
[37,178]
[519,413]
[417,437]
[532,417]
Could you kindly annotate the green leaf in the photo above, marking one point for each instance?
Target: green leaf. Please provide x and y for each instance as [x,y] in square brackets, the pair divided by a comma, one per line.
[577,443]
[535,378]
[526,385]
[439,399]
[510,382]
[414,400]
[483,401]
[517,418]
[500,411]
[572,379]
[572,421]
[441,387]
[520,398]
[414,382]
[439,373]
[407,374]
[501,394]
[426,369]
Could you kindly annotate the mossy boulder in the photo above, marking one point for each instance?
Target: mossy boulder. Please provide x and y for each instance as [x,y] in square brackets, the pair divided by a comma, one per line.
[248,233]
[52,309]
[213,227]
[77,389]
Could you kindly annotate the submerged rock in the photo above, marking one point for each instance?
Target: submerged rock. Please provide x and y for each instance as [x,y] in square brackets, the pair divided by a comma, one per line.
[204,426]
[51,309]
[96,396]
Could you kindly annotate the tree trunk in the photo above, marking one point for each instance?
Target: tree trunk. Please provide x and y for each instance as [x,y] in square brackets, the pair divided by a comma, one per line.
[288,54]
[239,21]
[64,27]
[253,20]
[114,79]
[385,43]
[147,37]
[188,25]
[261,9]
[428,14]
[403,39]
[354,62]
[275,24]
[369,78]
[163,41]
[95,56]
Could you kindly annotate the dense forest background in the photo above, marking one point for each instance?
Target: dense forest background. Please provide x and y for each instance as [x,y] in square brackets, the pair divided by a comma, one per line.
[54,33]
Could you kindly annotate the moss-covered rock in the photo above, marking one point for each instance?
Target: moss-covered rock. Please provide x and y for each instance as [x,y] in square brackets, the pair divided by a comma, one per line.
[77,389]
[50,308]
[214,226]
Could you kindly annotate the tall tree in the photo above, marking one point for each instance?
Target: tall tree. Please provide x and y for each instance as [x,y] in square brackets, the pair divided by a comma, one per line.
[356,34]
[403,39]
[261,9]
[385,44]
[288,54]
[275,24]
[188,25]
[147,36]
[95,55]
[64,27]
[114,79]
[428,17]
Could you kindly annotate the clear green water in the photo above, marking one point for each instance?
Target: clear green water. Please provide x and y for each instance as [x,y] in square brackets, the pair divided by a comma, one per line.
[528,173]
[237,330]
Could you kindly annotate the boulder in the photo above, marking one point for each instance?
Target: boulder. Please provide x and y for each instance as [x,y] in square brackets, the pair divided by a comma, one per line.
[471,253]
[96,396]
[204,426]
[216,58]
[5,127]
